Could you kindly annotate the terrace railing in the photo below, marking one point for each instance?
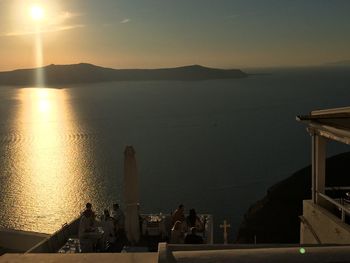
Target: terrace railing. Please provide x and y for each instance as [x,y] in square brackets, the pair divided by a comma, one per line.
[335,206]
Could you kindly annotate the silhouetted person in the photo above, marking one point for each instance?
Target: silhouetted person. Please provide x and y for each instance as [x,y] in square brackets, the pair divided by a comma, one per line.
[118,215]
[179,214]
[177,233]
[119,218]
[140,217]
[87,220]
[193,220]
[87,225]
[193,238]
[109,228]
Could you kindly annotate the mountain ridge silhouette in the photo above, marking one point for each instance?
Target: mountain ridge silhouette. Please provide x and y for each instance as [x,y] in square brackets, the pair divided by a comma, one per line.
[89,73]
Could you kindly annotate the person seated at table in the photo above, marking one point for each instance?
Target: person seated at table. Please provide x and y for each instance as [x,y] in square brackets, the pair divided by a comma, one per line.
[140,217]
[119,219]
[109,228]
[118,215]
[177,233]
[193,220]
[179,214]
[193,238]
[87,220]
[87,225]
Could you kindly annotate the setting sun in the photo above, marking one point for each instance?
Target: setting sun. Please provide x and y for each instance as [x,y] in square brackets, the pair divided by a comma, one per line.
[36,13]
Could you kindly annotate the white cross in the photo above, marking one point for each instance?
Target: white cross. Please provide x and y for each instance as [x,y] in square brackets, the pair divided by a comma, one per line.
[225,226]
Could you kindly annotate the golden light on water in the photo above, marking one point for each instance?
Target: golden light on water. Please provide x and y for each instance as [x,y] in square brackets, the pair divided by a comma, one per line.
[43,101]
[49,161]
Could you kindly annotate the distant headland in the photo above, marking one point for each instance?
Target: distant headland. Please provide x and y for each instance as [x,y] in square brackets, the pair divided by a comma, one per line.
[89,73]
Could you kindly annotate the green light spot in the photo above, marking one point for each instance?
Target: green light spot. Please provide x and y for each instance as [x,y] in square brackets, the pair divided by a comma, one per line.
[302,250]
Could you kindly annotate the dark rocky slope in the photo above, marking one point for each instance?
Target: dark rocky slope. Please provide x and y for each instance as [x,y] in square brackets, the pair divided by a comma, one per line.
[274,219]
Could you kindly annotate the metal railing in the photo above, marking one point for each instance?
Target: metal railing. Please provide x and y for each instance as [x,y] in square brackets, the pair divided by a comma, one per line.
[207,220]
[53,243]
[338,188]
[329,204]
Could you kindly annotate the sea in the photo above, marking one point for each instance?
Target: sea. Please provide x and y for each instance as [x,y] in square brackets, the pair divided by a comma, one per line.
[213,145]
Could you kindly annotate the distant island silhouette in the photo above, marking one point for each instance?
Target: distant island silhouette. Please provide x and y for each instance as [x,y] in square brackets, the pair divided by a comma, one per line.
[340,63]
[89,73]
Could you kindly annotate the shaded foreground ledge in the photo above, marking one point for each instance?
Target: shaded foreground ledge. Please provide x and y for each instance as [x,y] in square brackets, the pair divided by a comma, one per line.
[198,253]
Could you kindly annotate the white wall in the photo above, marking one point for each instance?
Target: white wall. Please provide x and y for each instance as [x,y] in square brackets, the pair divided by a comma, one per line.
[19,240]
[328,228]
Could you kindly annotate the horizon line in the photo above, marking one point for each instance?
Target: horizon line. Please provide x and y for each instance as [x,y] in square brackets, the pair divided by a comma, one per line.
[327,64]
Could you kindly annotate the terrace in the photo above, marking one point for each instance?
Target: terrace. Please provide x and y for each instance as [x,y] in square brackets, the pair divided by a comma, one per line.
[326,217]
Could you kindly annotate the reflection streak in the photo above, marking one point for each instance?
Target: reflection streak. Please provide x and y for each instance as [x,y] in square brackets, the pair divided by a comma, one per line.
[51,178]
[39,59]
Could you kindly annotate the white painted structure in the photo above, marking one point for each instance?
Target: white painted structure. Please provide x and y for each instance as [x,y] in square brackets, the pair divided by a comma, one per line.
[200,254]
[18,240]
[325,220]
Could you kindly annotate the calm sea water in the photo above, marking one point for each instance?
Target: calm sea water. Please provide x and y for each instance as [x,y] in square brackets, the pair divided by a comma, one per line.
[213,145]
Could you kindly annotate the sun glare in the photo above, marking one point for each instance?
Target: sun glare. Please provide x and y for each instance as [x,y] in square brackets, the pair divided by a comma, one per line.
[37,13]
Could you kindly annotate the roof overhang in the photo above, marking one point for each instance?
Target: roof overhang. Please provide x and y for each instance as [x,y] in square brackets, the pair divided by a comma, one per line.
[333,124]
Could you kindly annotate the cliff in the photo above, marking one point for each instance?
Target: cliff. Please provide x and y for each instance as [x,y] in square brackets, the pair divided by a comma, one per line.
[88,73]
[274,219]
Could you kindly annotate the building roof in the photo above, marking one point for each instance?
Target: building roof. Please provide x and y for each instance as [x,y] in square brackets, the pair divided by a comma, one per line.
[333,124]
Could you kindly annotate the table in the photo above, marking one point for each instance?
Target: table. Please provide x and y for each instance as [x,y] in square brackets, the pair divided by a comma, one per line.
[71,246]
[153,225]
[92,240]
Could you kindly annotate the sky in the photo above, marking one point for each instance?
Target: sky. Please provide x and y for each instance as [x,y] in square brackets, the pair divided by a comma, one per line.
[168,33]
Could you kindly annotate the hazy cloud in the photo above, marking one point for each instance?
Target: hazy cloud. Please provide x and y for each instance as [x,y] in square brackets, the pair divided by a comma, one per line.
[60,22]
[126,20]
[63,17]
[55,29]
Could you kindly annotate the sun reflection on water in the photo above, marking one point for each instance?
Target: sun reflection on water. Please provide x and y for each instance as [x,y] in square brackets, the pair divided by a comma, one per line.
[51,164]
[43,101]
